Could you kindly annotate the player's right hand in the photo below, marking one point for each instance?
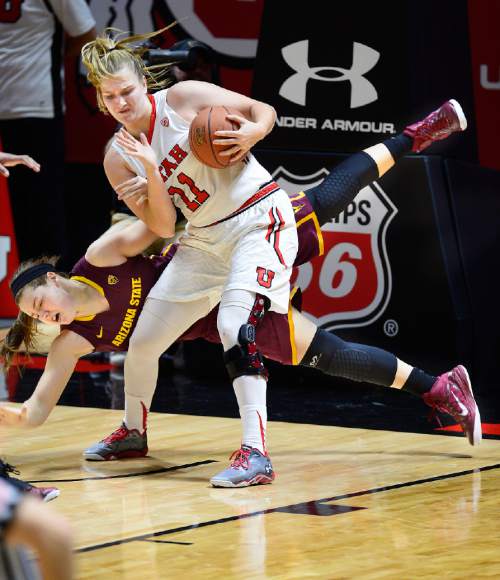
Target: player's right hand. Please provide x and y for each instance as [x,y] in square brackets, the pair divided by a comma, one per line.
[13,416]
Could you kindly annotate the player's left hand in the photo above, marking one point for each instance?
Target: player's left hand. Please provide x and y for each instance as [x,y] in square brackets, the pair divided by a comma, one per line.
[242,140]
[10,160]
[140,149]
[13,416]
[137,185]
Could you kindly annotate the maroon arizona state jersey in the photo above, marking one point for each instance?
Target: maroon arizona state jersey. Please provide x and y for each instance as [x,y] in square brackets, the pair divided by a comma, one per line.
[126,287]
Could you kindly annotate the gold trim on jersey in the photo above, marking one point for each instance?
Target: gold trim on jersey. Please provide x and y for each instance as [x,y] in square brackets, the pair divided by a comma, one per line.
[312,216]
[300,195]
[165,251]
[93,285]
[291,327]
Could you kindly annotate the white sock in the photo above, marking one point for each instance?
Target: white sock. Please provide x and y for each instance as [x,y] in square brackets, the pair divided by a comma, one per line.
[251,395]
[136,413]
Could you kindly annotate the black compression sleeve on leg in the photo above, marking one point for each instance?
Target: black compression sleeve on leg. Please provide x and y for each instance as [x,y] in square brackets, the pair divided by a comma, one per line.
[399,145]
[419,382]
[341,186]
[357,362]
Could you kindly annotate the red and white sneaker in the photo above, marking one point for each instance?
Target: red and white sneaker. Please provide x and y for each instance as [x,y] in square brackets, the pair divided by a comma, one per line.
[440,124]
[452,394]
[121,444]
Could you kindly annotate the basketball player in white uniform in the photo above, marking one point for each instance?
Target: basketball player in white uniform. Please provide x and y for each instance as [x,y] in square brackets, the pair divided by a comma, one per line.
[240,240]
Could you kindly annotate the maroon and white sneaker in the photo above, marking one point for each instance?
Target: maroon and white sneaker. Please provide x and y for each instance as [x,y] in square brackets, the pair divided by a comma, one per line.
[43,493]
[121,444]
[440,124]
[452,394]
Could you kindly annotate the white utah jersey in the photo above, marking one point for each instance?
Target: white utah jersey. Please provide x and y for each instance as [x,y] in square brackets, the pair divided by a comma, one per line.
[203,194]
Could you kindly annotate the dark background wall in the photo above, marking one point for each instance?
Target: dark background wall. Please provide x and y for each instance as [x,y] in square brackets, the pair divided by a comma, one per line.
[341,82]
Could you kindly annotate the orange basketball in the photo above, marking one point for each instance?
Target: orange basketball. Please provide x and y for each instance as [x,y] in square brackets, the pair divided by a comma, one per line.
[201,134]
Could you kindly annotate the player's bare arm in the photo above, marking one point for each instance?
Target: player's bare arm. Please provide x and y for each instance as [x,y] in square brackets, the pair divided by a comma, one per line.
[64,353]
[159,212]
[118,172]
[115,246]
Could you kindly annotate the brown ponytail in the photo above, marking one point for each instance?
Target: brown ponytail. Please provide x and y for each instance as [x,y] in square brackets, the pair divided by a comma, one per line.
[23,332]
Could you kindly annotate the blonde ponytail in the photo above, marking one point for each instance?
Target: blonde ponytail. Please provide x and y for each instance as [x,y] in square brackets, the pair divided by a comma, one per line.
[107,54]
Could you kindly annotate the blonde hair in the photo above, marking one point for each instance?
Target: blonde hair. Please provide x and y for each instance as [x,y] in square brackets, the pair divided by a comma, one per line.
[107,54]
[24,330]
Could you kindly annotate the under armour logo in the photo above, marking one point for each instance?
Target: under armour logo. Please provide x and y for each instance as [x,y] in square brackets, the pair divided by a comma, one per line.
[364,59]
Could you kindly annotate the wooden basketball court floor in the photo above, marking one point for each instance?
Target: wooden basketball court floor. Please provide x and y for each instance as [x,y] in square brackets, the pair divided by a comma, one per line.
[347,502]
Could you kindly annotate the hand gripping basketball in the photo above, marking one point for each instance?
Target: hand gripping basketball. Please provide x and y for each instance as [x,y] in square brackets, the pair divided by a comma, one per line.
[201,135]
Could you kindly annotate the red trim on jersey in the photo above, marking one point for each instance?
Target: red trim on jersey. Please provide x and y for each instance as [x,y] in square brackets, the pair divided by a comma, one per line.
[273,230]
[277,238]
[271,225]
[152,118]
[264,191]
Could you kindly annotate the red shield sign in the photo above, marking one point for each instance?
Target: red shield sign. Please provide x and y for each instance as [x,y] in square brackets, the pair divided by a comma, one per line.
[350,285]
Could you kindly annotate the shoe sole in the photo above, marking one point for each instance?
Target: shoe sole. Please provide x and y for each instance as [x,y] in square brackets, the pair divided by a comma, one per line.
[52,495]
[461,116]
[257,480]
[117,457]
[478,432]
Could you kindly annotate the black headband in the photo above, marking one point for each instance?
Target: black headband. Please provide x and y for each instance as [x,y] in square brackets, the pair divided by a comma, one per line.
[20,281]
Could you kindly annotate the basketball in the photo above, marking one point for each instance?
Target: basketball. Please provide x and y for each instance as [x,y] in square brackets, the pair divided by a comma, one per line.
[201,134]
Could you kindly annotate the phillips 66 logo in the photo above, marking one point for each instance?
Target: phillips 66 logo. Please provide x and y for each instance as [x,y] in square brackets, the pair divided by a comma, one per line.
[350,284]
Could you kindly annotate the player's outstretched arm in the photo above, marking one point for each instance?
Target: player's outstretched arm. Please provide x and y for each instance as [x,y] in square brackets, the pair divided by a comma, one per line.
[64,353]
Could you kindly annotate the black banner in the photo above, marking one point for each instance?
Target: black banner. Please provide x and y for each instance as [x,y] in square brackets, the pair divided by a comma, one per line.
[475,199]
[342,77]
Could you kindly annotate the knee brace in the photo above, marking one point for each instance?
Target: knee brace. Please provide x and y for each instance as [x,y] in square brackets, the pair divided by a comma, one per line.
[357,362]
[244,358]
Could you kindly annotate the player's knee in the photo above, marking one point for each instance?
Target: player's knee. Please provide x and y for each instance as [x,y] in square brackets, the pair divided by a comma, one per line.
[144,347]
[228,329]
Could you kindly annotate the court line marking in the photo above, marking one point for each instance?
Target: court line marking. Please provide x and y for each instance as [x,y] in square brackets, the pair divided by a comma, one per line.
[168,542]
[288,507]
[123,475]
